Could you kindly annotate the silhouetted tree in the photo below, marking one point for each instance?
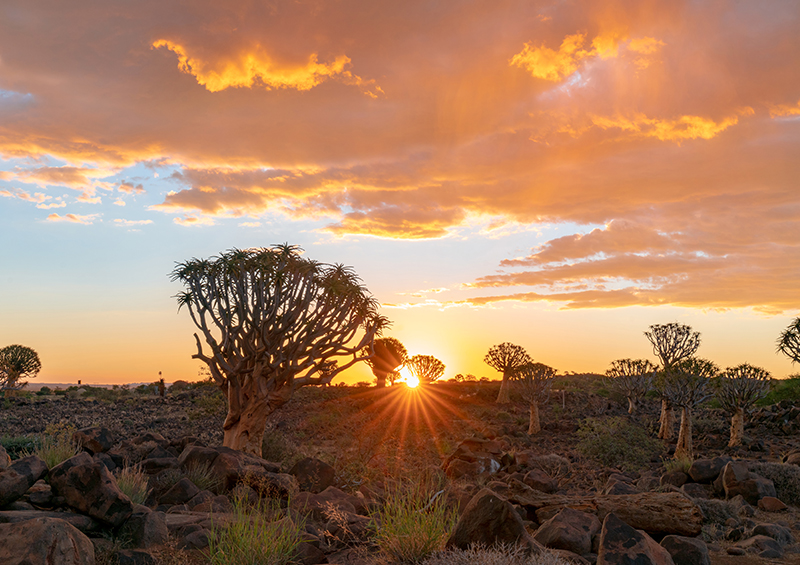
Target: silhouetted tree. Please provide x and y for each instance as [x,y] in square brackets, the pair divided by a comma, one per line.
[738,389]
[685,386]
[789,341]
[506,358]
[426,368]
[632,378]
[671,343]
[273,320]
[534,381]
[18,363]
[388,355]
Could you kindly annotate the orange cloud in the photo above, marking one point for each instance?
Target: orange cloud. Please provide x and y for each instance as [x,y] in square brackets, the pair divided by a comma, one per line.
[257,68]
[549,64]
[194,221]
[680,129]
[779,110]
[129,188]
[73,218]
[37,198]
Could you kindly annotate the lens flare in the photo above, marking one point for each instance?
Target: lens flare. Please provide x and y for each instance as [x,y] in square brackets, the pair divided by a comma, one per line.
[409,379]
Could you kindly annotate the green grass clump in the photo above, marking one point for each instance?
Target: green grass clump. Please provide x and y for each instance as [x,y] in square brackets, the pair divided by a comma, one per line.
[254,537]
[681,464]
[55,445]
[785,477]
[782,389]
[414,523]
[133,483]
[616,442]
[19,446]
[203,477]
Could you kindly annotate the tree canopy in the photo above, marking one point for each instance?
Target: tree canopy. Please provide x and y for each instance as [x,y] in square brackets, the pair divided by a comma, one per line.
[18,363]
[672,342]
[506,358]
[426,368]
[273,320]
[385,356]
[789,341]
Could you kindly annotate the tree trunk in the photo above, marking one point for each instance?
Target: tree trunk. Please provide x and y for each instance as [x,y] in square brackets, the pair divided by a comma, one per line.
[534,427]
[667,420]
[684,448]
[380,378]
[631,405]
[249,405]
[737,428]
[504,396]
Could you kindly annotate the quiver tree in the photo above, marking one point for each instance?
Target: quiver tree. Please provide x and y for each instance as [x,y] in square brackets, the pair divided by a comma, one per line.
[388,355]
[426,368]
[17,364]
[632,378]
[506,358]
[789,341]
[534,381]
[671,343]
[738,389]
[685,385]
[273,321]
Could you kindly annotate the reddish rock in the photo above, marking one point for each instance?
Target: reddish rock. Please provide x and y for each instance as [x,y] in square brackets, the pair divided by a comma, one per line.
[319,505]
[94,440]
[674,478]
[145,528]
[707,470]
[17,478]
[89,487]
[686,551]
[180,493]
[45,541]
[771,504]
[313,475]
[622,545]
[569,529]
[737,480]
[541,481]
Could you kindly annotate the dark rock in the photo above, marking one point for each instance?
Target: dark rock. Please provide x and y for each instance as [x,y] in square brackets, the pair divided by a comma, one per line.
[181,492]
[619,487]
[200,498]
[707,470]
[569,529]
[674,478]
[308,554]
[313,475]
[541,481]
[46,541]
[5,460]
[764,546]
[779,533]
[195,540]
[135,557]
[17,478]
[83,523]
[737,480]
[106,460]
[686,551]
[771,504]
[94,440]
[696,490]
[145,528]
[89,487]
[458,469]
[622,545]
[218,504]
[319,505]
[155,465]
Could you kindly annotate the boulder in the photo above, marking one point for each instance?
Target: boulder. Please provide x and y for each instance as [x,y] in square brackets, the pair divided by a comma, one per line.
[320,505]
[458,468]
[44,541]
[155,465]
[707,470]
[180,493]
[696,490]
[771,504]
[489,519]
[763,546]
[674,478]
[737,480]
[5,460]
[135,557]
[541,481]
[620,544]
[145,528]
[485,454]
[83,523]
[94,440]
[614,486]
[569,529]
[89,487]
[686,551]
[17,478]
[779,533]
[232,467]
[313,475]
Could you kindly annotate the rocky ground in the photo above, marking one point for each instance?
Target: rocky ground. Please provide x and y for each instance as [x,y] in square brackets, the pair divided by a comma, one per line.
[372,438]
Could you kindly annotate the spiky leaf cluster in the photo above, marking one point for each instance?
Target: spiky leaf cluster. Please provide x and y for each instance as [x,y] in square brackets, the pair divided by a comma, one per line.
[534,381]
[789,341]
[270,311]
[426,368]
[685,384]
[507,358]
[387,354]
[18,363]
[632,378]
[672,342]
[738,388]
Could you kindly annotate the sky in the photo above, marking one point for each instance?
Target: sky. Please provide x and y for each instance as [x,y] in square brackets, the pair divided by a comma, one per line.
[555,174]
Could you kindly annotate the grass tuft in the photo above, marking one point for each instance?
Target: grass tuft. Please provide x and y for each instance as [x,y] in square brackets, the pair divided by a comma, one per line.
[132,481]
[680,464]
[55,445]
[414,523]
[254,537]
[499,555]
[617,442]
[203,477]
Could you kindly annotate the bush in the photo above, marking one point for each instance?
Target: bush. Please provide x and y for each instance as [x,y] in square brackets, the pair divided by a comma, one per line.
[785,477]
[45,390]
[253,537]
[55,444]
[19,446]
[616,442]
[133,483]
[716,511]
[414,523]
[782,389]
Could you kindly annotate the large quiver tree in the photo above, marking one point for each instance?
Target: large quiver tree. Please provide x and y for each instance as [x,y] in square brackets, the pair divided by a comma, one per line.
[506,358]
[534,381]
[17,364]
[632,378]
[738,389]
[273,321]
[388,355]
[671,343]
[789,341]
[426,368]
[685,385]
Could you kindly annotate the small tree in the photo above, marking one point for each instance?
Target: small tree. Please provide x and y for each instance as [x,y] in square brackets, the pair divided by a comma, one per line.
[17,364]
[671,343]
[426,368]
[738,389]
[789,341]
[389,354]
[685,386]
[534,381]
[632,378]
[273,320]
[506,358]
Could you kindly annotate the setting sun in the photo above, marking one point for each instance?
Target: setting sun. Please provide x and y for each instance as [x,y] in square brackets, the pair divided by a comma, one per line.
[412,382]
[409,379]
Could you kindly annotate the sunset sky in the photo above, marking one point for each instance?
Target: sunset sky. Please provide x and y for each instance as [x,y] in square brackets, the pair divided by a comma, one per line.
[559,174]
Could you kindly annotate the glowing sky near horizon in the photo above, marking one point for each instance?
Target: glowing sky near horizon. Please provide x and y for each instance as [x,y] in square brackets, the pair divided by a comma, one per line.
[559,175]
